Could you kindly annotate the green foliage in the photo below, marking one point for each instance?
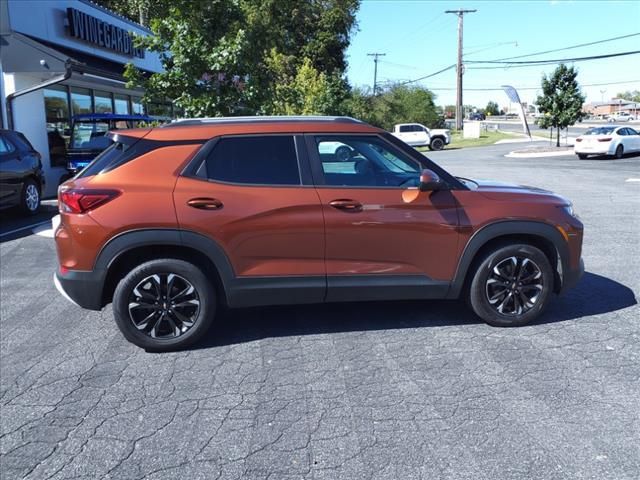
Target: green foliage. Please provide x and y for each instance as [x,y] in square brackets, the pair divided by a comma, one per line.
[561,100]
[492,109]
[141,11]
[398,104]
[632,96]
[267,56]
[308,92]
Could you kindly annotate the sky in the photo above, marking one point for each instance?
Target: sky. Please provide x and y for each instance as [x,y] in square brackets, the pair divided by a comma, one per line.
[418,39]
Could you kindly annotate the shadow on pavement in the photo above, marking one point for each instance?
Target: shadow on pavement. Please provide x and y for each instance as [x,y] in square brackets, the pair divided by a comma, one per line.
[12,220]
[239,326]
[611,158]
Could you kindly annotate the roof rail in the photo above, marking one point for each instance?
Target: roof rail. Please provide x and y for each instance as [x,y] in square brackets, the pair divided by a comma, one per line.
[259,118]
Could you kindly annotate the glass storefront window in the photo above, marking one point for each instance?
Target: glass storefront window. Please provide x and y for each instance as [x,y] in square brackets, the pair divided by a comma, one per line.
[80,100]
[160,110]
[136,106]
[102,102]
[56,105]
[122,103]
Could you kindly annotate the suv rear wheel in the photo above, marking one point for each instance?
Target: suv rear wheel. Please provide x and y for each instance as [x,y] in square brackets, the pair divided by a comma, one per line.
[164,304]
[511,286]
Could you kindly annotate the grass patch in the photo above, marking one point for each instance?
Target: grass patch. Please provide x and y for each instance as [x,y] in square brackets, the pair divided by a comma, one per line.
[486,138]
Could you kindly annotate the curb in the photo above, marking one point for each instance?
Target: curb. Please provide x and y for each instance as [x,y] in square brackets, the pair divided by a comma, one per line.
[538,154]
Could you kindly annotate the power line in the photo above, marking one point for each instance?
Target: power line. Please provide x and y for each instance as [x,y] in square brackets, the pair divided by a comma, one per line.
[597,42]
[487,89]
[561,60]
[490,47]
[429,76]
[534,63]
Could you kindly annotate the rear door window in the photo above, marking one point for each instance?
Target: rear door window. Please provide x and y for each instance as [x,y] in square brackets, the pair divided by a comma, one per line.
[254,160]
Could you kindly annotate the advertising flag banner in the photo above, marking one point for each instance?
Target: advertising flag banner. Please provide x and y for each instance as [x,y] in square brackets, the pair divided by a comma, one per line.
[512,93]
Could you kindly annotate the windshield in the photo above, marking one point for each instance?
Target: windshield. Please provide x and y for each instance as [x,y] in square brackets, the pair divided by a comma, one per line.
[600,131]
[92,134]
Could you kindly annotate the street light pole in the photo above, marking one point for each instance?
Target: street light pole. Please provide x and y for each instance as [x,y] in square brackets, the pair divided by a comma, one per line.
[459,107]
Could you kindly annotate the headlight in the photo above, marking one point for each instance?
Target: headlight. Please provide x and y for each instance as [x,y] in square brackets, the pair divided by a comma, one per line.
[569,210]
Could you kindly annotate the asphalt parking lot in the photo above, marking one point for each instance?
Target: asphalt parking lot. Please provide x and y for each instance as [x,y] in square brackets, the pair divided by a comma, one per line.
[402,390]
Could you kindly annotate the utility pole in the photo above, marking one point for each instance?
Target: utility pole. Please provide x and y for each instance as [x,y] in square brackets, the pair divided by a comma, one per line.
[375,70]
[459,106]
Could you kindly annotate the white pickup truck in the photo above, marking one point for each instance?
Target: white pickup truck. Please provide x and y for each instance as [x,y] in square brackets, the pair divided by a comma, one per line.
[418,135]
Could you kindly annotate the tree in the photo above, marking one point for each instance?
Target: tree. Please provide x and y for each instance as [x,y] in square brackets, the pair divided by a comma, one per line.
[561,100]
[397,104]
[309,92]
[492,109]
[141,11]
[632,96]
[255,61]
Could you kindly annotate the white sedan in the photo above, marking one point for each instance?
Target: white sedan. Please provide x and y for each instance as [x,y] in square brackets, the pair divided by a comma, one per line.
[611,140]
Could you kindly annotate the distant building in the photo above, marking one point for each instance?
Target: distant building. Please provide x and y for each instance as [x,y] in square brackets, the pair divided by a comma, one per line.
[601,109]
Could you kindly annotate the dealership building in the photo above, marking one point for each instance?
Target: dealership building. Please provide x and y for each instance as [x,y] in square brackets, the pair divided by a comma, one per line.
[60,58]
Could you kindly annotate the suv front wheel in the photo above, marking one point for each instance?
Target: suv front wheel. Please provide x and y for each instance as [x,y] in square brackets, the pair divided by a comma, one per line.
[511,286]
[164,304]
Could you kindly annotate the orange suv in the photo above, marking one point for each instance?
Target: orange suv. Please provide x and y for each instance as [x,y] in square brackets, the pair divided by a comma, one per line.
[171,223]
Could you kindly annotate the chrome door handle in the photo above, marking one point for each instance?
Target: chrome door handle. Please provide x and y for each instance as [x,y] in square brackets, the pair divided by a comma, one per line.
[346,205]
[205,203]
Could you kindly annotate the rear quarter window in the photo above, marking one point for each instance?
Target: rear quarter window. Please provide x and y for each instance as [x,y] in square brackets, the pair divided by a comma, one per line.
[254,160]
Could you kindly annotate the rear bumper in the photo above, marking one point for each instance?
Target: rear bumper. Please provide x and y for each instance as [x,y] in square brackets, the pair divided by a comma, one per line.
[595,150]
[571,277]
[81,287]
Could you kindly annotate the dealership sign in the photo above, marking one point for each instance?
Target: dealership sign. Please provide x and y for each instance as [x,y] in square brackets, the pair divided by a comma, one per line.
[103,34]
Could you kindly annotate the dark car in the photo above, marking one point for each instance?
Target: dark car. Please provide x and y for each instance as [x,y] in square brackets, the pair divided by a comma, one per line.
[171,223]
[477,116]
[21,176]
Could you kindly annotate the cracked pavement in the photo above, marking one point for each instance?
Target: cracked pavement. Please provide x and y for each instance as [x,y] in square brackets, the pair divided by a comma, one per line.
[394,390]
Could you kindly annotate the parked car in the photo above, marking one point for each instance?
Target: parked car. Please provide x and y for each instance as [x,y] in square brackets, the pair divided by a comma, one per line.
[417,135]
[21,176]
[477,116]
[620,117]
[608,140]
[89,136]
[171,223]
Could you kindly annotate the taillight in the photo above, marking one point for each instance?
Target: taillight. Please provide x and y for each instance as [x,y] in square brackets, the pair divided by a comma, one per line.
[578,139]
[605,139]
[83,200]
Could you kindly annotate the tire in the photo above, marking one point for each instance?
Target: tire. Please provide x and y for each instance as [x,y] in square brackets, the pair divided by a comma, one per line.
[582,156]
[619,152]
[436,144]
[146,284]
[487,294]
[30,197]
[343,154]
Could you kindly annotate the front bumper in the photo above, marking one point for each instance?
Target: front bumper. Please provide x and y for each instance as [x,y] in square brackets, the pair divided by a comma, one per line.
[571,277]
[84,288]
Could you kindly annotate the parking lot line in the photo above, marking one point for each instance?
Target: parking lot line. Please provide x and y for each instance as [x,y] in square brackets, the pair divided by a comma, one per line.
[10,232]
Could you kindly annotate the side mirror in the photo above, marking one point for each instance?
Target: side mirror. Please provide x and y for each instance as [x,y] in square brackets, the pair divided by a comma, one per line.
[429,181]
